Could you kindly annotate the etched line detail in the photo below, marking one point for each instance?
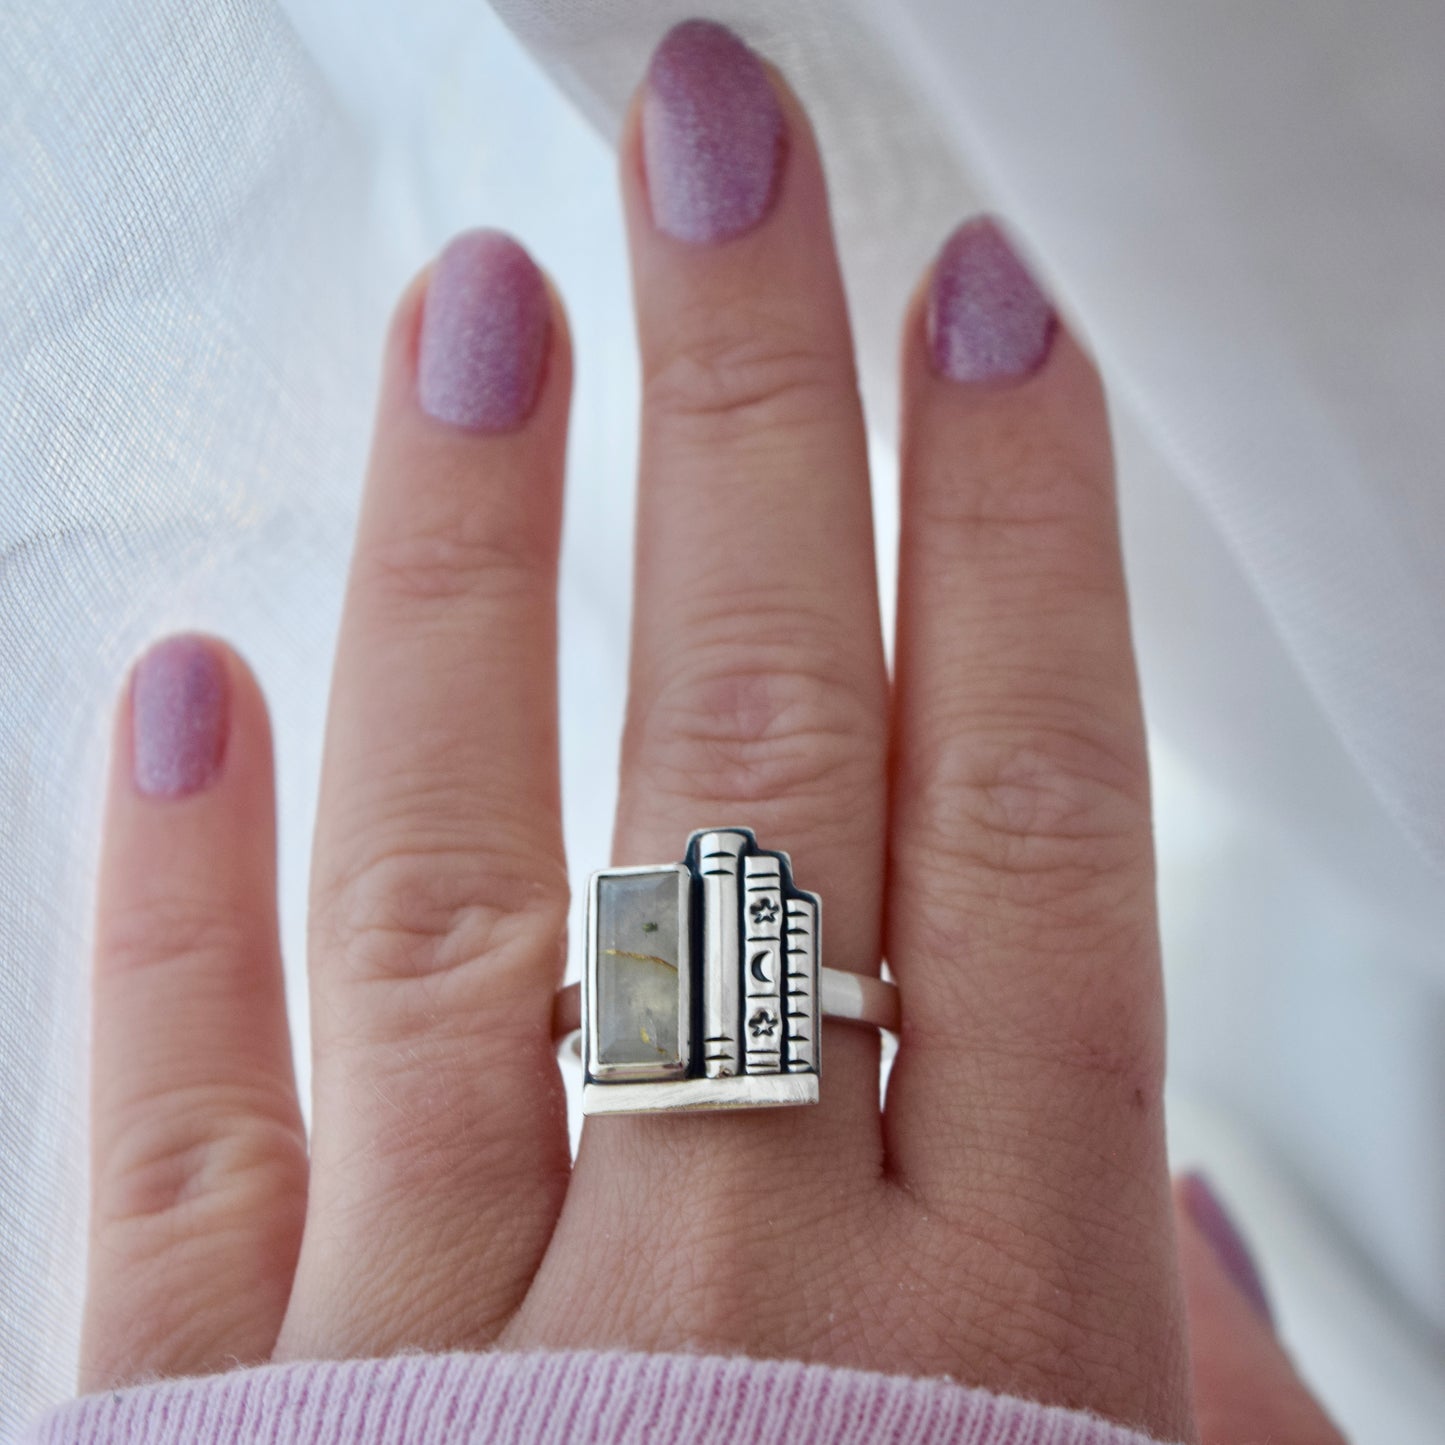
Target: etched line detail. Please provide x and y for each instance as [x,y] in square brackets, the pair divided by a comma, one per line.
[763,963]
[802,986]
[721,911]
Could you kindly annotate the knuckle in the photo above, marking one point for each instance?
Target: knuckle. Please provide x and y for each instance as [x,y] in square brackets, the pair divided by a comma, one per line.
[750,729]
[416,907]
[1033,495]
[745,374]
[175,932]
[1028,842]
[186,1153]
[1048,809]
[489,550]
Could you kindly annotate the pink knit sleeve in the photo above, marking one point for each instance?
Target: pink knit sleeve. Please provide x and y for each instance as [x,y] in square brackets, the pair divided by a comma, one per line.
[566,1398]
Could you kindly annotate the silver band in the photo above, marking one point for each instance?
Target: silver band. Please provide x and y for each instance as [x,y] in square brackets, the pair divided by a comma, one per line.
[851,998]
[703,986]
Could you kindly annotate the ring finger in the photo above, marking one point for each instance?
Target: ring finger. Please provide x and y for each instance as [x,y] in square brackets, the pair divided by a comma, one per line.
[757,691]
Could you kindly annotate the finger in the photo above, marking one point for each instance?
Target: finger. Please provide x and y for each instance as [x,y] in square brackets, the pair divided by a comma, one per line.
[1025,1097]
[757,690]
[198,1177]
[1245,1387]
[439,886]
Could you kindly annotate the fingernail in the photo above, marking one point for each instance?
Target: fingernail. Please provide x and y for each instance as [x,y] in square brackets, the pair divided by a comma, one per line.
[484,331]
[712,134]
[987,320]
[180,706]
[1207,1211]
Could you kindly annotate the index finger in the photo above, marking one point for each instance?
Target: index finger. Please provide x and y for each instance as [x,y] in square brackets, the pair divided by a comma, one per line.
[439,888]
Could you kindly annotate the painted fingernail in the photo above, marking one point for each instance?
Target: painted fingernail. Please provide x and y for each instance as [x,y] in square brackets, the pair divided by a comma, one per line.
[180,716]
[1207,1211]
[712,134]
[484,331]
[987,320]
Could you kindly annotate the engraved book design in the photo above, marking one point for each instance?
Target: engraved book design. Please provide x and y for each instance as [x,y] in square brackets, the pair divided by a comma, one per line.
[701,986]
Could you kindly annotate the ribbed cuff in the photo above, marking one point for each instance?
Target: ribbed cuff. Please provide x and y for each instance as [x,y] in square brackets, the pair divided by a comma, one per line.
[562,1398]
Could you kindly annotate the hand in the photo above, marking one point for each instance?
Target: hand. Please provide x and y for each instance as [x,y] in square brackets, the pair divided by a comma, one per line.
[1006,1219]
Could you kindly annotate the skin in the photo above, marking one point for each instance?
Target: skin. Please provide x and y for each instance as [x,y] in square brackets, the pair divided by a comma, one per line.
[1005,1219]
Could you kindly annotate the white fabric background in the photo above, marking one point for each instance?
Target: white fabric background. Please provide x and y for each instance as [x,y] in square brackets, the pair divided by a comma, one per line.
[205,211]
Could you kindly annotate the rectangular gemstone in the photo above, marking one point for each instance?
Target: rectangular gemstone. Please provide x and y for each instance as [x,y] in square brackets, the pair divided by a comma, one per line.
[639,990]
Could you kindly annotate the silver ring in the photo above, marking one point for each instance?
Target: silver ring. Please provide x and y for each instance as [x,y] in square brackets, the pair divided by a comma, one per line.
[702,985]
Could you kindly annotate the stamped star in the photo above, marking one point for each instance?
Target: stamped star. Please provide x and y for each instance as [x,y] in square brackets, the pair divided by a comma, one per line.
[765,910]
[763,1023]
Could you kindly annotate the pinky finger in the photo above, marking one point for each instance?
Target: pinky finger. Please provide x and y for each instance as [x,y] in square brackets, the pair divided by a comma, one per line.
[1245,1388]
[198,1155]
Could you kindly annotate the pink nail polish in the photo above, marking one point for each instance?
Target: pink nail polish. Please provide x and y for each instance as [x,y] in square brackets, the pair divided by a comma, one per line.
[712,134]
[1207,1211]
[987,320]
[180,716]
[484,332]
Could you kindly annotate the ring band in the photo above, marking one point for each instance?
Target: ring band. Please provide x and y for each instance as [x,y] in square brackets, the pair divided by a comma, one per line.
[850,998]
[702,984]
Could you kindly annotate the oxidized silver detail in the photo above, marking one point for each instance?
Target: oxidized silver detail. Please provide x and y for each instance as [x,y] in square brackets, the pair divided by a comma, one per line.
[745,944]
